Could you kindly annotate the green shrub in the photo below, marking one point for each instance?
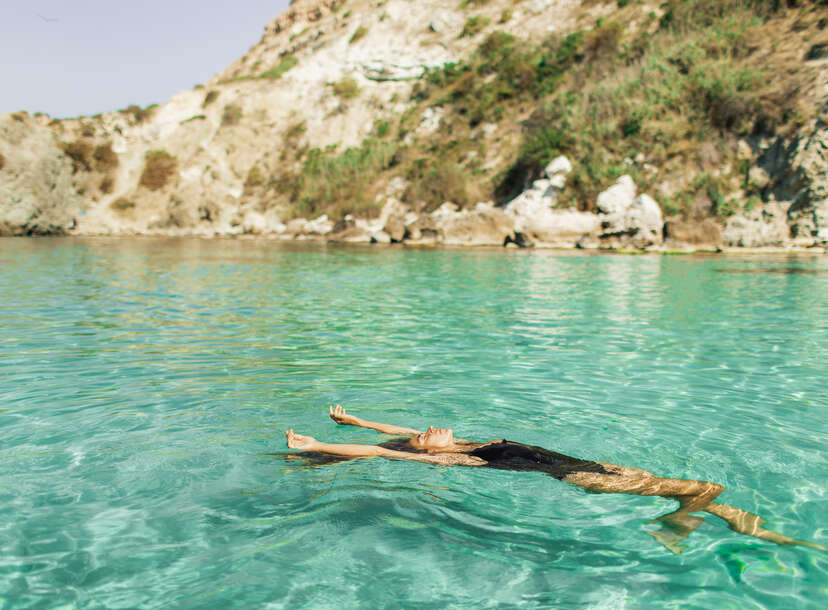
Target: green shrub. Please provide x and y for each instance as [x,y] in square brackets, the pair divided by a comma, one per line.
[346,88]
[195,117]
[159,166]
[358,34]
[337,183]
[285,64]
[210,97]
[231,116]
[432,181]
[381,128]
[474,25]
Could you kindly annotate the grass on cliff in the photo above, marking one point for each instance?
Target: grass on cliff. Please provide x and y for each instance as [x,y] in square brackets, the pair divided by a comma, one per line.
[336,183]
[679,89]
[286,63]
[664,88]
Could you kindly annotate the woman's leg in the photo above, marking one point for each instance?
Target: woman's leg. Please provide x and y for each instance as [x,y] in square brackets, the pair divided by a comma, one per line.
[751,525]
[675,526]
[691,495]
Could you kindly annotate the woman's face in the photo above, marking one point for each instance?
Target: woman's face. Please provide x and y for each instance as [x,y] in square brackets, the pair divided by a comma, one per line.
[433,438]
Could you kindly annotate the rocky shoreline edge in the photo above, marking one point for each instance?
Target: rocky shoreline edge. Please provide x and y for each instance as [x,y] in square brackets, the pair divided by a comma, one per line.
[624,221]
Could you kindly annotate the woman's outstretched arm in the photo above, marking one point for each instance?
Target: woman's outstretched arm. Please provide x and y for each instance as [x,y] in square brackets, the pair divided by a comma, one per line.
[339,415]
[308,443]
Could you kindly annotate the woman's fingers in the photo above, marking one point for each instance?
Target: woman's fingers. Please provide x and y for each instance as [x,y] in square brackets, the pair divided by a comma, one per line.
[337,413]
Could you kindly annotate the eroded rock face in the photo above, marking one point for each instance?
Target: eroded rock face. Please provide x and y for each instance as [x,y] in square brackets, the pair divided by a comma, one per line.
[705,233]
[762,227]
[36,193]
[808,214]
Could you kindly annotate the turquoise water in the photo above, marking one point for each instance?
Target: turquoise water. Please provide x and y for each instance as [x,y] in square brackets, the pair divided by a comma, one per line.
[145,382]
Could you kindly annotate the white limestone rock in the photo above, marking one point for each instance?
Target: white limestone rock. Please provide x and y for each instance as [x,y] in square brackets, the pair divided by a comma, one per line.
[765,226]
[618,197]
[627,220]
[484,225]
[36,192]
[558,166]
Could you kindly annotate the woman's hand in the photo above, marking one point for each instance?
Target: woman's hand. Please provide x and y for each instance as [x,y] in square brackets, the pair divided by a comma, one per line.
[339,415]
[297,441]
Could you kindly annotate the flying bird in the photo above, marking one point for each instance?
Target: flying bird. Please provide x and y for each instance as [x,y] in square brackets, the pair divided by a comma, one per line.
[47,19]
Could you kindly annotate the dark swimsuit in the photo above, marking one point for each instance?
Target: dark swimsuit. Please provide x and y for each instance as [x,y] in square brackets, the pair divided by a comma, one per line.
[507,455]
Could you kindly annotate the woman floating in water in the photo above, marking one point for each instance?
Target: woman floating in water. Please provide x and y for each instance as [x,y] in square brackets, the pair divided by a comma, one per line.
[438,446]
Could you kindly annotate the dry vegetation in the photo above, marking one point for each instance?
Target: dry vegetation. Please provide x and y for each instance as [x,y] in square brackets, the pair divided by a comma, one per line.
[80,152]
[210,97]
[105,158]
[159,167]
[122,204]
[346,88]
[139,114]
[2,161]
[231,116]
[673,87]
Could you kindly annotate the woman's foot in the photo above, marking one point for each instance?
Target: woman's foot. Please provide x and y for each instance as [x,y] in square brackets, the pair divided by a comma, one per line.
[675,527]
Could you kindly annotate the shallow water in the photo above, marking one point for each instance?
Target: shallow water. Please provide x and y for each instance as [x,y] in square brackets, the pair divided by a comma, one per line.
[145,382]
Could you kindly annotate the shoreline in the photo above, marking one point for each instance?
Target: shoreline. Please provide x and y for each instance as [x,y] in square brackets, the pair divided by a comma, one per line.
[322,241]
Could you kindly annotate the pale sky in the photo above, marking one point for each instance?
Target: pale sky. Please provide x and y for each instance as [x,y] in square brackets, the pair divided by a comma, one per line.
[80,57]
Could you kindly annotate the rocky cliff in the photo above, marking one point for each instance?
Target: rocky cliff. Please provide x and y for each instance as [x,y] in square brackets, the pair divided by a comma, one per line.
[546,122]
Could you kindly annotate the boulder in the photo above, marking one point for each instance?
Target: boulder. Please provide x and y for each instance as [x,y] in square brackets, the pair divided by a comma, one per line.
[535,218]
[254,223]
[559,165]
[395,228]
[641,222]
[423,230]
[618,197]
[627,220]
[358,230]
[319,226]
[296,227]
[395,215]
[485,225]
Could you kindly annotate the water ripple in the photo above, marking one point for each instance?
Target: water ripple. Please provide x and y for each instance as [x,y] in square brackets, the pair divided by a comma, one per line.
[146,382]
